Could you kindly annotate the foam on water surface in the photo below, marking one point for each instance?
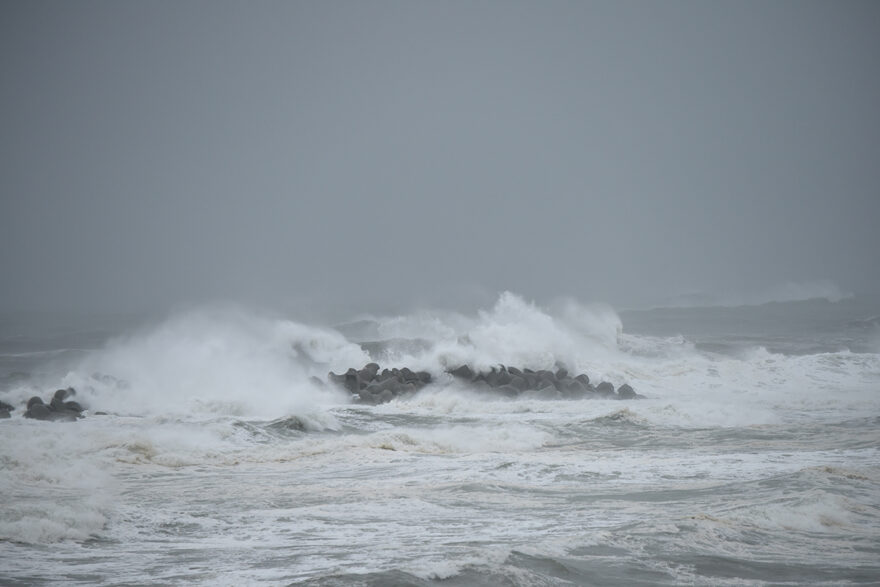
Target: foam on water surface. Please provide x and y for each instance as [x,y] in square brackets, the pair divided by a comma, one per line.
[220,460]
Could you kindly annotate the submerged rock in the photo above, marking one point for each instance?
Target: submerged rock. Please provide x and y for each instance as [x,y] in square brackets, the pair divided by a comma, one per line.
[626,392]
[463,372]
[605,388]
[37,410]
[58,408]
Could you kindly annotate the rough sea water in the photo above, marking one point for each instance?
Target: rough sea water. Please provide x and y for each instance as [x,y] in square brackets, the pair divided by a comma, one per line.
[754,458]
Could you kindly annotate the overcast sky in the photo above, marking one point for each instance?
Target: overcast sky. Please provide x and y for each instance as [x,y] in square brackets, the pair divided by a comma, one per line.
[388,153]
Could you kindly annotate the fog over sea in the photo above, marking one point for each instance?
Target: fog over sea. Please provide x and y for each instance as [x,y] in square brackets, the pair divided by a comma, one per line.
[206,207]
[754,457]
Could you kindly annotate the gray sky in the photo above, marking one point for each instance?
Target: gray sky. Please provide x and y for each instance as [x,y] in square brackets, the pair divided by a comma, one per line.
[389,153]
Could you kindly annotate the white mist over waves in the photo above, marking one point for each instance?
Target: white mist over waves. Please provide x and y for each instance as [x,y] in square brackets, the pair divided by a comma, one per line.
[217,360]
[218,453]
[684,385]
[513,332]
[228,361]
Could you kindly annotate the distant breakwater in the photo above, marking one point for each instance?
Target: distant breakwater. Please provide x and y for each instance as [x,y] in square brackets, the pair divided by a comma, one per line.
[374,385]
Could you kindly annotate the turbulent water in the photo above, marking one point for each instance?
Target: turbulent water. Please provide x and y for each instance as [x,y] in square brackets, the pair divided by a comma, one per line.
[755,457]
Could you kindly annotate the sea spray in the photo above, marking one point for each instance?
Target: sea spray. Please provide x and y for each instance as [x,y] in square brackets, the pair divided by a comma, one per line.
[219,460]
[216,360]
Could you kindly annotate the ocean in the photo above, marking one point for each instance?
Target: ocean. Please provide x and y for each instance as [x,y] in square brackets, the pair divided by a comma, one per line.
[209,454]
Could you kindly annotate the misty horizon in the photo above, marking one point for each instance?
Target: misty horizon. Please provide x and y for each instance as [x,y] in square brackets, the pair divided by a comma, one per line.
[387,155]
[471,292]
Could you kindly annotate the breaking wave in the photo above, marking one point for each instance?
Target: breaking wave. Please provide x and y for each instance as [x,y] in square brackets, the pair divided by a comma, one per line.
[228,361]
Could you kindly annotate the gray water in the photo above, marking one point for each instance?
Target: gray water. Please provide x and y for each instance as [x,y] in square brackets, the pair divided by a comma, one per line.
[753,459]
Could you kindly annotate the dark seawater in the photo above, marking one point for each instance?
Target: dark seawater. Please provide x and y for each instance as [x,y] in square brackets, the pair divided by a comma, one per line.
[753,460]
